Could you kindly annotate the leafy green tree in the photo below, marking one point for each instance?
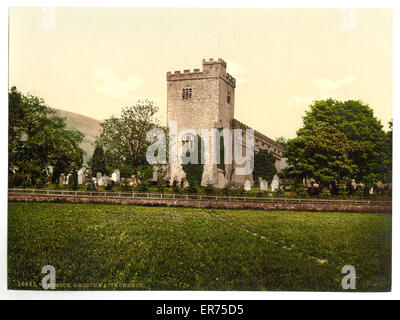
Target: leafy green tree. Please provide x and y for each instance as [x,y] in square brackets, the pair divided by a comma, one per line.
[99,160]
[145,172]
[339,141]
[387,164]
[39,141]
[73,180]
[125,171]
[264,166]
[124,138]
[283,142]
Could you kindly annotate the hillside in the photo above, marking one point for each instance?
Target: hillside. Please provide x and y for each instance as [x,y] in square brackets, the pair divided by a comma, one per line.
[88,126]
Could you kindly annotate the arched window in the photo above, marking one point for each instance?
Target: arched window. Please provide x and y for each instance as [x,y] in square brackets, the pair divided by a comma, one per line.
[188,142]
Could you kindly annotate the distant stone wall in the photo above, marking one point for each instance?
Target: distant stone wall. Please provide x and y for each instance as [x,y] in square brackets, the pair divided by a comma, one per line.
[365,208]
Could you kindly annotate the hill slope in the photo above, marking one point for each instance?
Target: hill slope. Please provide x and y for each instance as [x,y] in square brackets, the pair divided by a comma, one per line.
[88,126]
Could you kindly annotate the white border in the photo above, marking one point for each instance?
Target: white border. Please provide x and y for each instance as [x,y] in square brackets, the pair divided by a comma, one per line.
[192,295]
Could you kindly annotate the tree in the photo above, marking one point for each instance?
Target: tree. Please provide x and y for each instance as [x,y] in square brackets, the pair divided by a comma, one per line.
[388,162]
[39,141]
[221,164]
[283,142]
[194,171]
[264,166]
[339,141]
[124,138]
[99,161]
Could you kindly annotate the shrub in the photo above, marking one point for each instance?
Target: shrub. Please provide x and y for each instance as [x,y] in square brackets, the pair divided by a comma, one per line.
[360,192]
[226,190]
[175,187]
[142,187]
[161,184]
[91,186]
[236,192]
[192,189]
[279,192]
[342,190]
[194,171]
[209,189]
[125,187]
[301,192]
[110,185]
[325,193]
[40,182]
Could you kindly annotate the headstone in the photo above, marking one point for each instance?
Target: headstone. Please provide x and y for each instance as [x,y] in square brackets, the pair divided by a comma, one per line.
[68,176]
[105,180]
[380,185]
[371,191]
[155,175]
[263,185]
[62,178]
[221,179]
[49,179]
[81,176]
[275,183]
[116,176]
[94,180]
[99,178]
[247,185]
[353,184]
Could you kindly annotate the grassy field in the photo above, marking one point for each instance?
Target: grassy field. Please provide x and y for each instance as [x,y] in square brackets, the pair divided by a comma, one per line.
[159,248]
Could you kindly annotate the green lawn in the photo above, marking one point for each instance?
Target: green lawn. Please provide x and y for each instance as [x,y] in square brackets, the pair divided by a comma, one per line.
[160,248]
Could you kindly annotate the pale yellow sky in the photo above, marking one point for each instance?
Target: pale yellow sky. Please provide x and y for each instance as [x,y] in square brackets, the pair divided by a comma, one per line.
[94,61]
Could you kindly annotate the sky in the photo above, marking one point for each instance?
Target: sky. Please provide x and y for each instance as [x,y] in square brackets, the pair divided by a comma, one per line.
[95,61]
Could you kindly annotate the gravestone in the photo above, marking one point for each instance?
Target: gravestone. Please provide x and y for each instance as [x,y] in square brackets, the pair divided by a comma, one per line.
[116,176]
[81,176]
[62,178]
[247,185]
[275,183]
[105,180]
[155,175]
[68,176]
[371,191]
[99,178]
[263,185]
[49,179]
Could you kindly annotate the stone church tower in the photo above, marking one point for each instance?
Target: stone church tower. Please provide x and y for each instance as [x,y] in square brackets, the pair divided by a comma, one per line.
[206,100]
[201,100]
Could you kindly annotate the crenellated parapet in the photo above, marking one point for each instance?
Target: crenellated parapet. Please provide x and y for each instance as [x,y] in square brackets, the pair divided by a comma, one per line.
[211,69]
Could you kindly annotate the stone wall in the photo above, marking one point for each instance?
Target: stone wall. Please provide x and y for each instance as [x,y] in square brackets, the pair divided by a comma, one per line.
[327,207]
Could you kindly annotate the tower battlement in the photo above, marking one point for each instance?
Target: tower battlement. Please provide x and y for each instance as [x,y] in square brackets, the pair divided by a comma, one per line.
[211,61]
[211,69]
